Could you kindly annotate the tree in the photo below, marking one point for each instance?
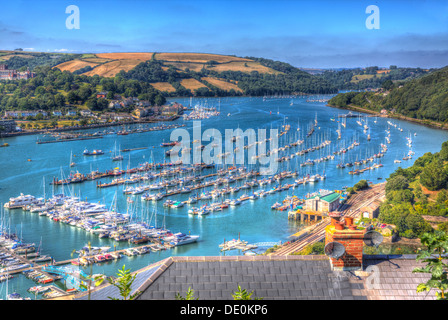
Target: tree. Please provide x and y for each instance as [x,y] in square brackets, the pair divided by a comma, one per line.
[397,183]
[189,296]
[72,97]
[124,284]
[442,196]
[434,176]
[361,185]
[159,100]
[241,294]
[59,100]
[436,244]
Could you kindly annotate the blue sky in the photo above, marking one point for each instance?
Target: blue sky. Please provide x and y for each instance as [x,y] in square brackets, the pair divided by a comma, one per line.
[305,33]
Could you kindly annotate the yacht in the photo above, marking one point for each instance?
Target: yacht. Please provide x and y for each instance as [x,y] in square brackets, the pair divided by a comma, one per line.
[22,200]
[181,239]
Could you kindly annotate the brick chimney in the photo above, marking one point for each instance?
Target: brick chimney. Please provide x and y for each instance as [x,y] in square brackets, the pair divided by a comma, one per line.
[353,241]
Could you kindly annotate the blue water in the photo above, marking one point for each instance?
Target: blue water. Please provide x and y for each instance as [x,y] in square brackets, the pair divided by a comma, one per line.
[254,220]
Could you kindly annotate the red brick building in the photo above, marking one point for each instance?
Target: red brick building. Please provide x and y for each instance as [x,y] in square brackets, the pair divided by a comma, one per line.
[11,74]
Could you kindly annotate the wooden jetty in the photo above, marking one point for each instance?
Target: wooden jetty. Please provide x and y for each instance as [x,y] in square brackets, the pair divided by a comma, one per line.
[67,140]
[153,246]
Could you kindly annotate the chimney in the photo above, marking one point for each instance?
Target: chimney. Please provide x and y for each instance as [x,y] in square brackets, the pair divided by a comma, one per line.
[352,239]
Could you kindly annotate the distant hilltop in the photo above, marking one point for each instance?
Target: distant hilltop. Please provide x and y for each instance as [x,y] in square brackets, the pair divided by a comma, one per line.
[207,75]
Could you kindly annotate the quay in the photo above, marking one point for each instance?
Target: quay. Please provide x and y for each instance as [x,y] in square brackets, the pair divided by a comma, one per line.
[307,216]
[67,140]
[154,247]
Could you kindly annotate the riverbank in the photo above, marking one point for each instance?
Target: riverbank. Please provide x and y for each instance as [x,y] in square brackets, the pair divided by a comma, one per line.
[91,126]
[427,123]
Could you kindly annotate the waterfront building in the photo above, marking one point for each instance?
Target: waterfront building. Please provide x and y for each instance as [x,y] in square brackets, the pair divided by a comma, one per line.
[323,202]
[23,114]
[7,125]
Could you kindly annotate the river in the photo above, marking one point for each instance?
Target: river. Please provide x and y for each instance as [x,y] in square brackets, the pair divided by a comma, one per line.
[253,220]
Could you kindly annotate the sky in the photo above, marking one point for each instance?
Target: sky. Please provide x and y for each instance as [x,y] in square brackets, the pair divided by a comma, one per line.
[304,33]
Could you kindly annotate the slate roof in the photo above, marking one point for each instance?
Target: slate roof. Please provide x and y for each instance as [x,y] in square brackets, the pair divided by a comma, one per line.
[290,277]
[108,290]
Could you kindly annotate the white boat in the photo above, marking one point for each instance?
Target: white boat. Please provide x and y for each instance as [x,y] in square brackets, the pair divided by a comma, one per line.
[181,239]
[22,200]
[85,251]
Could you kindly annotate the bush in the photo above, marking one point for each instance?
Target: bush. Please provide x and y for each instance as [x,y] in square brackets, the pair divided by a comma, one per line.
[398,182]
[361,185]
[434,176]
[409,234]
[400,196]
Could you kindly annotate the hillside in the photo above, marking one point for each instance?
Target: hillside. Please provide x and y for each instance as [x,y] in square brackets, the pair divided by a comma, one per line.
[370,77]
[418,194]
[200,74]
[21,60]
[424,99]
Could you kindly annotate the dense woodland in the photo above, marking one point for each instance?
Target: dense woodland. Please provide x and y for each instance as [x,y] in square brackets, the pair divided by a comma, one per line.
[425,98]
[254,84]
[37,59]
[52,89]
[368,77]
[418,190]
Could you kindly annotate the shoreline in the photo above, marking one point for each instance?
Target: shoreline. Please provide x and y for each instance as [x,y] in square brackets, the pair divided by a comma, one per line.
[76,128]
[431,124]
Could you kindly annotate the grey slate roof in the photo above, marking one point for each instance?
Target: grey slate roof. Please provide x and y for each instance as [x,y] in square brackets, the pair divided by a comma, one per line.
[111,291]
[276,277]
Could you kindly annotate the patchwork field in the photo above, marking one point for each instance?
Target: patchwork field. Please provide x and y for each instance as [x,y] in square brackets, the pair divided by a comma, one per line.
[109,64]
[96,60]
[74,65]
[221,84]
[9,56]
[193,66]
[192,84]
[142,56]
[243,67]
[196,57]
[163,86]
[110,69]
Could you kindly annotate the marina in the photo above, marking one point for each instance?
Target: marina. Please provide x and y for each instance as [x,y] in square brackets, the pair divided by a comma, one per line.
[144,207]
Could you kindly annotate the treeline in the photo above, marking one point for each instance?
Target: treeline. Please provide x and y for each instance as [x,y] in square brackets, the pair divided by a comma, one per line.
[425,98]
[254,83]
[53,89]
[405,200]
[38,60]
[342,79]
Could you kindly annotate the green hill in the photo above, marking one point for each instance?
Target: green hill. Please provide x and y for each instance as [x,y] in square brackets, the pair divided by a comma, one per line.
[425,98]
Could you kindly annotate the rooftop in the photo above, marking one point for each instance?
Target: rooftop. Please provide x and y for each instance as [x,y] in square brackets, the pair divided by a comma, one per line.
[292,277]
[330,197]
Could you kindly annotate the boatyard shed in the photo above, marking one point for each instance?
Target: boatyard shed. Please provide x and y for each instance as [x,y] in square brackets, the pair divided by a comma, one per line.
[323,203]
[292,277]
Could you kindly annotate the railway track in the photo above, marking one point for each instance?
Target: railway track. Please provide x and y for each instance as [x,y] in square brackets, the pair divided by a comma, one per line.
[350,209]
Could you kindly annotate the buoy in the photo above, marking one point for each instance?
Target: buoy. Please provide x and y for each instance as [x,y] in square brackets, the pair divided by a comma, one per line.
[29,160]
